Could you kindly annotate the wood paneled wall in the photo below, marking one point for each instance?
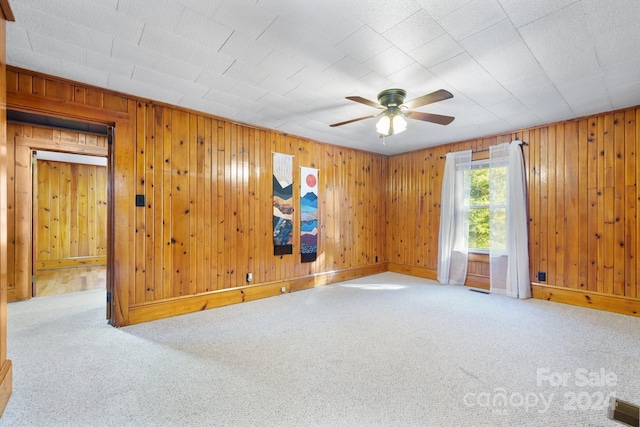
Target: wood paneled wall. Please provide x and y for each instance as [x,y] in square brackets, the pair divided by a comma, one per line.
[70,215]
[208,215]
[6,370]
[207,220]
[583,202]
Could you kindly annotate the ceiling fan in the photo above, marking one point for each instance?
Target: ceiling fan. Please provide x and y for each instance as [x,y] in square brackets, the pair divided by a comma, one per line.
[394,110]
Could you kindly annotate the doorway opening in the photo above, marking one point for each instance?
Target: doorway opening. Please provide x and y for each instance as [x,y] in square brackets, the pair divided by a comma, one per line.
[61,190]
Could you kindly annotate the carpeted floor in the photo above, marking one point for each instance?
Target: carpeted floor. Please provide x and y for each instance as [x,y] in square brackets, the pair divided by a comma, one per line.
[386,350]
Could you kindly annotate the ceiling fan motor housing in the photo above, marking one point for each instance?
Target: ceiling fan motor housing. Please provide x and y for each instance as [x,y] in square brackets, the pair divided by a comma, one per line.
[392,97]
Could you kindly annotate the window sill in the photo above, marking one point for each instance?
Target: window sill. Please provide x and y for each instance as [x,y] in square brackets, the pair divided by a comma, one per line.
[478,256]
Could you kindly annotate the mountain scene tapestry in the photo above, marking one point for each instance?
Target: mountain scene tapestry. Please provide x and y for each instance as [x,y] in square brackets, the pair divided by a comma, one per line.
[282,204]
[309,214]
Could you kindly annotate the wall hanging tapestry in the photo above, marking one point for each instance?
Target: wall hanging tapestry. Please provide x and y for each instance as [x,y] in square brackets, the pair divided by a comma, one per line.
[282,204]
[309,214]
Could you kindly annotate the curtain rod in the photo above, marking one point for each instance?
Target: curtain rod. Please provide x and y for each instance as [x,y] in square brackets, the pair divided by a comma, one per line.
[483,150]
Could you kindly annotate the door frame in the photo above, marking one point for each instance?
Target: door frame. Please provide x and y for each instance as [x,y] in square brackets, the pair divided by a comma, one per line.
[25,247]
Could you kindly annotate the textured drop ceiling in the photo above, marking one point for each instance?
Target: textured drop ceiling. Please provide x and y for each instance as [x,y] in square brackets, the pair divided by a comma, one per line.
[288,64]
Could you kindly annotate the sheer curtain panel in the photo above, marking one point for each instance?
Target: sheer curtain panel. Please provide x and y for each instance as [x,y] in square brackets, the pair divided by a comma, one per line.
[454,219]
[509,242]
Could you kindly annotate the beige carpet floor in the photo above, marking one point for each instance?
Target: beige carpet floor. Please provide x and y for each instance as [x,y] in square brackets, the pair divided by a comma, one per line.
[386,350]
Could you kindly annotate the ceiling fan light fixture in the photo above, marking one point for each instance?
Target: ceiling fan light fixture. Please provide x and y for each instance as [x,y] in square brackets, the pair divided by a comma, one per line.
[384,125]
[391,124]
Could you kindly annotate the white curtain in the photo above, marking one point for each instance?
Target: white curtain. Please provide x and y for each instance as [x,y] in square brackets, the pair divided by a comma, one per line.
[509,243]
[454,219]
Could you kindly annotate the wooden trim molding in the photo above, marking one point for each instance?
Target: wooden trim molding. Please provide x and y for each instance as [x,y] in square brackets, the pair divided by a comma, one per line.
[6,384]
[81,261]
[194,303]
[616,304]
[412,270]
[62,147]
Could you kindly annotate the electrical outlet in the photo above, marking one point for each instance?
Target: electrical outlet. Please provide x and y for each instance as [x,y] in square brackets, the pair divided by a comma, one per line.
[249,277]
[542,276]
[283,289]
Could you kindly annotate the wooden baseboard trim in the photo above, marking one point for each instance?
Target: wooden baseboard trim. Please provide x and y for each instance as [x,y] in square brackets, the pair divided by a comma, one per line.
[71,262]
[412,270]
[6,384]
[615,304]
[194,303]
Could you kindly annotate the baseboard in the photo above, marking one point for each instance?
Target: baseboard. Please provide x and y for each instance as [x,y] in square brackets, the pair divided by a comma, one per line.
[6,384]
[616,304]
[412,270]
[194,303]
[71,262]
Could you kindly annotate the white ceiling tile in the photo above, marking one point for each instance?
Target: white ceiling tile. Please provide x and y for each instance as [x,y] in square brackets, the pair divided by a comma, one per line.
[346,70]
[562,44]
[236,13]
[439,9]
[141,89]
[245,49]
[436,51]
[248,92]
[55,28]
[64,9]
[155,78]
[246,73]
[363,44]
[150,59]
[161,13]
[617,44]
[298,10]
[111,22]
[413,32]
[579,99]
[279,35]
[311,78]
[389,61]
[202,30]
[112,4]
[17,37]
[210,107]
[109,65]
[80,73]
[472,18]
[174,46]
[207,8]
[513,64]
[329,24]
[381,16]
[623,73]
[31,60]
[288,64]
[522,12]
[625,96]
[605,15]
[213,80]
[281,65]
[491,38]
[222,97]
[276,84]
[56,48]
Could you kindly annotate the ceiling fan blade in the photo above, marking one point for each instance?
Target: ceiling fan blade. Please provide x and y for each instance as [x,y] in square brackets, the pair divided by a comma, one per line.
[433,118]
[365,101]
[430,98]
[353,120]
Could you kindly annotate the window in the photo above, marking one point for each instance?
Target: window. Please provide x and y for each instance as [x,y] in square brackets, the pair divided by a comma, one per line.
[479,230]
[483,180]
